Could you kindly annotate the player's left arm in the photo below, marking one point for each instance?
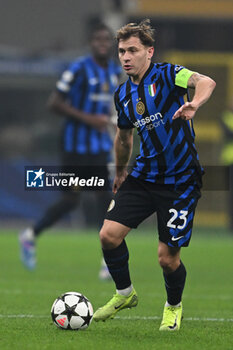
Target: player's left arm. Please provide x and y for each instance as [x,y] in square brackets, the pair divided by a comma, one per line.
[204,87]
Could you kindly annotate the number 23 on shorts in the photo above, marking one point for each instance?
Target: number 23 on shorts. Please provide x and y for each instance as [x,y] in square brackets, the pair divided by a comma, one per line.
[182,215]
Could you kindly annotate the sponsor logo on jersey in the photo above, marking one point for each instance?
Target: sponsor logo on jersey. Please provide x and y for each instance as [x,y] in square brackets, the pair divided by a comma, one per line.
[100,97]
[151,122]
[155,125]
[147,120]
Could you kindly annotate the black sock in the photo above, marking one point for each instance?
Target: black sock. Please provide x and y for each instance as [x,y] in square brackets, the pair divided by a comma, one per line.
[55,213]
[174,283]
[117,261]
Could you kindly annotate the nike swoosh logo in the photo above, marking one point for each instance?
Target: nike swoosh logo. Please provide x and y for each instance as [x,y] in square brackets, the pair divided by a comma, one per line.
[126,103]
[176,238]
[117,307]
[175,324]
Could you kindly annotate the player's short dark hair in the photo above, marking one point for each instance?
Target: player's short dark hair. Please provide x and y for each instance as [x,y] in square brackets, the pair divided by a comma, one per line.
[97,27]
[143,31]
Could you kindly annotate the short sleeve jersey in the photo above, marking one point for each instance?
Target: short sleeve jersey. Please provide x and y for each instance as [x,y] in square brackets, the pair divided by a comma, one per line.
[88,87]
[167,151]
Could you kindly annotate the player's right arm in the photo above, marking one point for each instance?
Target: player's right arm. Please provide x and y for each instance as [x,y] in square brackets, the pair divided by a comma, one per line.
[71,82]
[123,146]
[203,85]
[57,103]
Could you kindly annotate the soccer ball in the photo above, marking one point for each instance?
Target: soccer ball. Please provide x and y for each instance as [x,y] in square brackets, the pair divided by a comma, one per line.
[72,310]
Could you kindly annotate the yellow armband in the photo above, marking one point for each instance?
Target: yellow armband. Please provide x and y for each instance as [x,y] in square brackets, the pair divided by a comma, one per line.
[182,78]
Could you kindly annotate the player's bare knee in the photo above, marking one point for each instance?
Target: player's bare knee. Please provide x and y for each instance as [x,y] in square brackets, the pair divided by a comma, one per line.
[108,241]
[169,257]
[167,264]
[164,262]
[103,235]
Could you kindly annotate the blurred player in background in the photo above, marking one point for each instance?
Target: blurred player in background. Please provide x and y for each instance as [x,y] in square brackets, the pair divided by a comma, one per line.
[84,96]
[167,175]
[227,155]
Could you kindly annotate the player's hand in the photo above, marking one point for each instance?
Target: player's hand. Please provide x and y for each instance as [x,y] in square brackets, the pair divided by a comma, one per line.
[99,121]
[119,179]
[186,112]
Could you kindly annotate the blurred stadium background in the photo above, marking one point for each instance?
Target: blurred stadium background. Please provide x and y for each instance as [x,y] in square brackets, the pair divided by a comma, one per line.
[38,39]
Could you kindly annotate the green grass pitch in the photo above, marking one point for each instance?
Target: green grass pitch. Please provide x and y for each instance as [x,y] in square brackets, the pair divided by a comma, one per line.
[69,261]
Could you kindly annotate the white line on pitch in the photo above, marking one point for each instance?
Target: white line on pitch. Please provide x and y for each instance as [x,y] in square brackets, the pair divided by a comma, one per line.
[185,318]
[23,316]
[46,292]
[132,318]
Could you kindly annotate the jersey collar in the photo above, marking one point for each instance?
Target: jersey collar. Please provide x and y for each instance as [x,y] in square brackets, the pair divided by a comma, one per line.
[151,66]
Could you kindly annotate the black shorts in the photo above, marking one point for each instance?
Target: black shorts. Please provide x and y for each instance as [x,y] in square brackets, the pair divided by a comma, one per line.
[86,167]
[175,206]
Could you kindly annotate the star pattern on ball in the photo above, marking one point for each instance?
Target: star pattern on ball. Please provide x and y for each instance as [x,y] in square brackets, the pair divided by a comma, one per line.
[70,311]
[87,319]
[82,299]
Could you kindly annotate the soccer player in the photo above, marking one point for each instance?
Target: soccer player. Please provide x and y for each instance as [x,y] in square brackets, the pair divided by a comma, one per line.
[167,175]
[84,96]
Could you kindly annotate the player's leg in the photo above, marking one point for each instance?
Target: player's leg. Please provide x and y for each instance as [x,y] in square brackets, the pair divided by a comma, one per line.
[115,252]
[58,210]
[70,197]
[54,213]
[116,256]
[69,200]
[130,206]
[103,196]
[175,221]
[174,274]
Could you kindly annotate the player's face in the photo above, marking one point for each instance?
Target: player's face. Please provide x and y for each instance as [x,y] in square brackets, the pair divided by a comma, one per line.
[135,57]
[101,44]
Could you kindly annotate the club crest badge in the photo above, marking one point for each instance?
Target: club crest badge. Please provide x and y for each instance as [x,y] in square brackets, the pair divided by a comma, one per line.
[140,108]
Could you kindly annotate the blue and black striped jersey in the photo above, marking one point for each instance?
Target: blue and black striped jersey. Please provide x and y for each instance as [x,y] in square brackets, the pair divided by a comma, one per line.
[167,151]
[88,87]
